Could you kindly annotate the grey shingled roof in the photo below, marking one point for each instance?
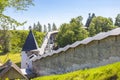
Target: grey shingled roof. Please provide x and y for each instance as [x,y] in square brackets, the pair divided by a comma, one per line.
[30,43]
[99,36]
[7,66]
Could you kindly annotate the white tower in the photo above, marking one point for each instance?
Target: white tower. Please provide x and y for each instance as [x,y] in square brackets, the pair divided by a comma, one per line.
[29,50]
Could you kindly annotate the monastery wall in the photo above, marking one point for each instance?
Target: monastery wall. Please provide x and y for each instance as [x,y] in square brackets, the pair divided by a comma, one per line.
[92,54]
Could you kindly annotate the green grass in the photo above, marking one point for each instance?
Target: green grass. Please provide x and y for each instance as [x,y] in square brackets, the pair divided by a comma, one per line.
[14,57]
[101,73]
[108,72]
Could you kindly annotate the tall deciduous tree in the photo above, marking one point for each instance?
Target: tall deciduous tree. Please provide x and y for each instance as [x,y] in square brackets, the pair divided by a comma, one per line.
[7,22]
[71,32]
[100,24]
[49,27]
[54,27]
[39,27]
[45,28]
[117,20]
[34,26]
[16,4]
[5,40]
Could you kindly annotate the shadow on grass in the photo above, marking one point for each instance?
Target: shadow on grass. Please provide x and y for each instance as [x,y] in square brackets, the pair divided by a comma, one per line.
[18,64]
[2,53]
[114,77]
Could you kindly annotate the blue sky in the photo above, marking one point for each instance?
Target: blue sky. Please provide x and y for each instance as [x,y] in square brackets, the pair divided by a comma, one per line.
[61,11]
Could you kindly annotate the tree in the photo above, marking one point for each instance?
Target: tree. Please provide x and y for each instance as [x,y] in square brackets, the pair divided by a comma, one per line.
[111,19]
[45,29]
[100,24]
[77,21]
[18,37]
[39,26]
[61,41]
[7,22]
[54,27]
[5,40]
[17,4]
[117,20]
[49,27]
[69,33]
[34,26]
[92,30]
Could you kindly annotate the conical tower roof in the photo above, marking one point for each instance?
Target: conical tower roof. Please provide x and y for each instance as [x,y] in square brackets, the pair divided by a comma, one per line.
[30,43]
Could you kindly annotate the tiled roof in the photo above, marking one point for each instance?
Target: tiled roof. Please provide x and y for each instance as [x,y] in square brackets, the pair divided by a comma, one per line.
[7,66]
[30,43]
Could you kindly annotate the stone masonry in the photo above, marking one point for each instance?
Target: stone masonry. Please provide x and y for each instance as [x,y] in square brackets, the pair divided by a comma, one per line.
[93,54]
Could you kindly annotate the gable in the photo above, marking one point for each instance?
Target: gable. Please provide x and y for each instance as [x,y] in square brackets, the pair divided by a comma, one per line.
[8,69]
[15,74]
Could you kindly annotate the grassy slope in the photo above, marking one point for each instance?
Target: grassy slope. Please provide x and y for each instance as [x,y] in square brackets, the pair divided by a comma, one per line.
[14,57]
[101,73]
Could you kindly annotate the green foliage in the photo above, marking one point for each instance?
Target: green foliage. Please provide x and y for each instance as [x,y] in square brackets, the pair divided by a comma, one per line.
[71,32]
[54,27]
[49,27]
[117,20]
[5,41]
[17,4]
[100,24]
[14,57]
[7,22]
[18,38]
[37,27]
[45,29]
[3,4]
[13,40]
[39,37]
[108,72]
[61,37]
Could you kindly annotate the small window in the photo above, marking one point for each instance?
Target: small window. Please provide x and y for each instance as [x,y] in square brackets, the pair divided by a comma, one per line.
[26,51]
[31,56]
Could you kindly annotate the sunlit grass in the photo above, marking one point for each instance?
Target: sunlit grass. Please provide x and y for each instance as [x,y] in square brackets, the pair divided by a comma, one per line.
[14,57]
[101,73]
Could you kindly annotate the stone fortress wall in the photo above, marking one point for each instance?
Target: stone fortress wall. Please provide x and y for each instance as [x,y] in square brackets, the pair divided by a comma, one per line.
[103,49]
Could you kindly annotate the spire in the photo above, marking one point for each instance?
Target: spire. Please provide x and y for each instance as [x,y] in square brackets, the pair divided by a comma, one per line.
[30,43]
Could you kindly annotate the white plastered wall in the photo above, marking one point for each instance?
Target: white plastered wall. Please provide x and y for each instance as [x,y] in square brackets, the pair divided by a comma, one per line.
[24,60]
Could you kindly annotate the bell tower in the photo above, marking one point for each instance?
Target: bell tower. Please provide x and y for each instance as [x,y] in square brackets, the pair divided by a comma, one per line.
[30,50]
